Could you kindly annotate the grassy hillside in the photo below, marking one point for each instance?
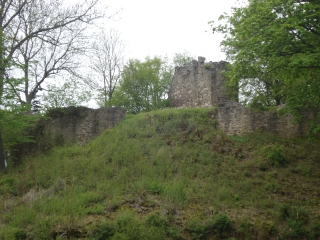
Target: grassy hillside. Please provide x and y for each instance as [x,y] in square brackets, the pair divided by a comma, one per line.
[168,174]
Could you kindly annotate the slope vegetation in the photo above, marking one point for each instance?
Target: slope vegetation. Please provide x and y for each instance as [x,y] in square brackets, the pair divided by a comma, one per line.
[169,174]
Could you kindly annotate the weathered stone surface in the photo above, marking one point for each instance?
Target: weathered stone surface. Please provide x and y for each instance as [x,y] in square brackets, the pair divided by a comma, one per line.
[81,124]
[201,84]
[67,125]
[234,118]
[198,84]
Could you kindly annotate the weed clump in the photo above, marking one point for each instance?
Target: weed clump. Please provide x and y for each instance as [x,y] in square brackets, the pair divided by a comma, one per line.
[104,231]
[275,155]
[222,224]
[197,228]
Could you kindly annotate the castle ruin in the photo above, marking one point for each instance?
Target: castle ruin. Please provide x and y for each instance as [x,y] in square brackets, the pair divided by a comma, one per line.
[198,84]
[201,84]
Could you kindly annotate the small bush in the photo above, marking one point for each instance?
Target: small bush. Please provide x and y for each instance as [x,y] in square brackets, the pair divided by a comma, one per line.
[20,235]
[222,224]
[207,66]
[12,233]
[174,233]
[295,230]
[7,186]
[131,227]
[314,232]
[262,165]
[155,220]
[283,212]
[95,209]
[103,231]
[197,229]
[296,219]
[272,186]
[42,230]
[154,188]
[270,227]
[244,229]
[275,155]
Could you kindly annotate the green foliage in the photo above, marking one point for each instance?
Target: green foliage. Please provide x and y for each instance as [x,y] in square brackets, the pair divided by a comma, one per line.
[71,93]
[143,86]
[104,231]
[295,230]
[240,139]
[296,219]
[222,224]
[155,220]
[167,174]
[128,226]
[197,228]
[20,235]
[207,66]
[244,229]
[272,186]
[283,212]
[71,111]
[7,186]
[275,155]
[154,187]
[272,46]
[180,59]
[13,233]
[13,124]
[42,230]
[176,193]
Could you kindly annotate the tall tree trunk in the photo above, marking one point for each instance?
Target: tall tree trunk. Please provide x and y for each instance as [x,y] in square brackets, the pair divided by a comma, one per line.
[2,160]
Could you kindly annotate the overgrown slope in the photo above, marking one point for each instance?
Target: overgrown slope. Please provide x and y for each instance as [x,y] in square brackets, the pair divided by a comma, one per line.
[168,174]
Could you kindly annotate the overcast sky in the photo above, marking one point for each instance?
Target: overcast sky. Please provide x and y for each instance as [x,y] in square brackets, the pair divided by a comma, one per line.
[165,27]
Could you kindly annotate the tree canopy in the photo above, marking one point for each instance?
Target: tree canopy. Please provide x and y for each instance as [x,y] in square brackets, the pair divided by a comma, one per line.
[274,48]
[182,58]
[144,85]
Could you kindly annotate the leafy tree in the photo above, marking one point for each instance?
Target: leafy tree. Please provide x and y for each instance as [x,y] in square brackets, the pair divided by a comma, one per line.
[71,93]
[143,86]
[13,122]
[274,50]
[180,59]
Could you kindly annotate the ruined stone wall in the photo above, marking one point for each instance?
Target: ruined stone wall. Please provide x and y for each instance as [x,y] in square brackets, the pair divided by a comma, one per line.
[80,124]
[201,84]
[234,118]
[198,84]
[67,125]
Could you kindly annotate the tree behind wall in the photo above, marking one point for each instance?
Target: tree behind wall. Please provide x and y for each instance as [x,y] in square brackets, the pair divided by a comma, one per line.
[107,59]
[274,50]
[50,53]
[71,93]
[143,86]
[182,58]
[11,39]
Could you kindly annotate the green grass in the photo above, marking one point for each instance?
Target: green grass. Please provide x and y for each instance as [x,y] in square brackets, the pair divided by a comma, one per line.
[168,174]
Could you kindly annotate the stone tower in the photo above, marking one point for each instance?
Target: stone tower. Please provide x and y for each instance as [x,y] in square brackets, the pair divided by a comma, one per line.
[198,84]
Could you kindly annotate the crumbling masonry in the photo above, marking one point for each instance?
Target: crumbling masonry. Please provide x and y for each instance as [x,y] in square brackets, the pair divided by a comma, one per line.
[201,84]
[198,84]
